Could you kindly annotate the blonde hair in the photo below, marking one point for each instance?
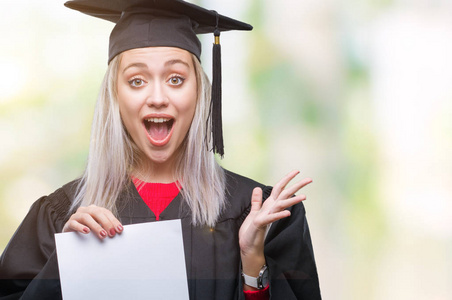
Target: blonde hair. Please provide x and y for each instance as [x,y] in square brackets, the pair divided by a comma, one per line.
[113,153]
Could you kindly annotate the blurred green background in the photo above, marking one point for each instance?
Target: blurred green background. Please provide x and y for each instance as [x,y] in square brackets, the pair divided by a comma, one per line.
[355,94]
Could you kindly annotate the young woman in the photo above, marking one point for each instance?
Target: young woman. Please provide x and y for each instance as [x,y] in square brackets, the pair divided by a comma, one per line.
[150,159]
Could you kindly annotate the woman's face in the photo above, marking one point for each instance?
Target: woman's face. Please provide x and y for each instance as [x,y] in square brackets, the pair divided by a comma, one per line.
[157,94]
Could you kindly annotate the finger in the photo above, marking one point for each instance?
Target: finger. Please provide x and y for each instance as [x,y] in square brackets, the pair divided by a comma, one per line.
[283,204]
[116,223]
[281,185]
[256,199]
[268,219]
[105,218]
[105,222]
[295,188]
[89,221]
[73,225]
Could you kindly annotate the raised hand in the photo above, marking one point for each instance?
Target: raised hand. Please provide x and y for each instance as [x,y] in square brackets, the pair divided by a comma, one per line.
[252,231]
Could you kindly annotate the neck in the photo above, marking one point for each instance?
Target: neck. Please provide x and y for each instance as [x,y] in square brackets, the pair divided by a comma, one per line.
[158,173]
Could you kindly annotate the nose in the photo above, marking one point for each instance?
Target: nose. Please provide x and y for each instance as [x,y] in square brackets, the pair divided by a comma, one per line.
[156,96]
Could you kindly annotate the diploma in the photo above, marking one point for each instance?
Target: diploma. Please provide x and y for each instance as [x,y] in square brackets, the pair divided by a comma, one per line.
[145,261]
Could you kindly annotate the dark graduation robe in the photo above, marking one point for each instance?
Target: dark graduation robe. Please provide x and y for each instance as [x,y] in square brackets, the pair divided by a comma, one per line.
[29,268]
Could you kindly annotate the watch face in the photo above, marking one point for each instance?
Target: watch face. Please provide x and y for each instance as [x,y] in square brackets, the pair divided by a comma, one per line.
[265,278]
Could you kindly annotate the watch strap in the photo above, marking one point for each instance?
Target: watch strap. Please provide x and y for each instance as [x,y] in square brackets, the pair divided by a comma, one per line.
[250,280]
[255,282]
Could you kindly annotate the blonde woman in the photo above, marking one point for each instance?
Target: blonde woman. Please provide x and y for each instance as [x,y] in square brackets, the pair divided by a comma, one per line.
[151,159]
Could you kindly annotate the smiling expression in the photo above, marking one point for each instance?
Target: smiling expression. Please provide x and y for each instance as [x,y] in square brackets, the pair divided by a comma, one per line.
[157,94]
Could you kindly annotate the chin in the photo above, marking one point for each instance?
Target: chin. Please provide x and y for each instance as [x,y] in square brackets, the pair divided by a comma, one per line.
[160,158]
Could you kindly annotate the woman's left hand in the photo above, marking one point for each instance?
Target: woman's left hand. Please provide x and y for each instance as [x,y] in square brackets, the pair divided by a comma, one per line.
[252,231]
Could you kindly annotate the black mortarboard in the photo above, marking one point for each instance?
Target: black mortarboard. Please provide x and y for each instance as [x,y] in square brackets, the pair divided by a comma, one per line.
[170,23]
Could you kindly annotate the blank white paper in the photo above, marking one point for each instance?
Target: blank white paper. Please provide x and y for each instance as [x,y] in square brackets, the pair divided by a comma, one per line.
[145,261]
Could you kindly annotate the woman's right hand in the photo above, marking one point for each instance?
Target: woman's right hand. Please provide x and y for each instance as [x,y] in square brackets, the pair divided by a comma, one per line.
[93,218]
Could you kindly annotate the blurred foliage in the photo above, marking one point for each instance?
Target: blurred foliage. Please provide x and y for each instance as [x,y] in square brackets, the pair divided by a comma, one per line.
[286,97]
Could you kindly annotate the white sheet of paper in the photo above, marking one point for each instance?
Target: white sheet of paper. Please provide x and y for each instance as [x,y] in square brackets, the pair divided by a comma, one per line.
[145,261]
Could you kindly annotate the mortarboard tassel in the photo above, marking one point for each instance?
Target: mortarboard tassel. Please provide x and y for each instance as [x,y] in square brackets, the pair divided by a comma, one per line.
[215,104]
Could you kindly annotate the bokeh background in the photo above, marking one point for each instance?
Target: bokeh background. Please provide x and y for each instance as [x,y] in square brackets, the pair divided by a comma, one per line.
[355,94]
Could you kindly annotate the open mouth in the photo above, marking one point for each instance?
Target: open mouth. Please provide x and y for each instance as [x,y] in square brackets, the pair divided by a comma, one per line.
[159,129]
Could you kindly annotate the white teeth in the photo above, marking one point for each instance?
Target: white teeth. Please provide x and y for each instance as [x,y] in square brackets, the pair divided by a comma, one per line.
[158,120]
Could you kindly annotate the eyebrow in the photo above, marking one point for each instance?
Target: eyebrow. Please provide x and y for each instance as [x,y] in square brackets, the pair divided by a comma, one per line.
[176,61]
[137,65]
[167,64]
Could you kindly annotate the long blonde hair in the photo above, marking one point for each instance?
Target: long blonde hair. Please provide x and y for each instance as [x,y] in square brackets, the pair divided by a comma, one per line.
[113,153]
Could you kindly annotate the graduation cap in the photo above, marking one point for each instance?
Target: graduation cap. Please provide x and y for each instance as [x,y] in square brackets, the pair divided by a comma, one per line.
[166,23]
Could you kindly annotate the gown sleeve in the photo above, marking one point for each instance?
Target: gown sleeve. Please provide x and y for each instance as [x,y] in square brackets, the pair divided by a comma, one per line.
[30,257]
[290,258]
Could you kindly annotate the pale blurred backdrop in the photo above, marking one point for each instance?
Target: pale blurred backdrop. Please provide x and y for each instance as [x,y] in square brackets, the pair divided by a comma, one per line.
[355,94]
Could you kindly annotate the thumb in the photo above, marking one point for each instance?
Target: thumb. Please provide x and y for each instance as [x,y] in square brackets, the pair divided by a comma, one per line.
[256,199]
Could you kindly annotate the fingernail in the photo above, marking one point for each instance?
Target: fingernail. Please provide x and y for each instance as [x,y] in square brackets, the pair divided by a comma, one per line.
[86,230]
[103,233]
[112,232]
[119,228]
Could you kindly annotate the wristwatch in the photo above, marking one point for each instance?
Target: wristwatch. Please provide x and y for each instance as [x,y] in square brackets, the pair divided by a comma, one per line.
[258,282]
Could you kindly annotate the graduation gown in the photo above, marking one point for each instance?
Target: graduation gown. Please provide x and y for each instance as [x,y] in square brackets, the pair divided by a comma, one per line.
[29,268]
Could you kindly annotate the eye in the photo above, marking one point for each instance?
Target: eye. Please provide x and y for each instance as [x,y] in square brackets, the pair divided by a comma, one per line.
[136,82]
[176,80]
